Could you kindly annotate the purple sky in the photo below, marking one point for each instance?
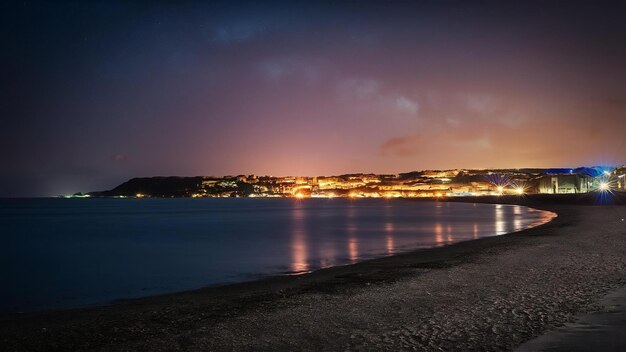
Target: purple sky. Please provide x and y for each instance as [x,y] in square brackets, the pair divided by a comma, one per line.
[94,94]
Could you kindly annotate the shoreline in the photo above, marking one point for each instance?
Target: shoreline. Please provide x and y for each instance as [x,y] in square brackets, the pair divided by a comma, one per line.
[270,313]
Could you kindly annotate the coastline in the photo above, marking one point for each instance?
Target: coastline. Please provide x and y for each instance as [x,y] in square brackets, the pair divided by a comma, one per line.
[492,293]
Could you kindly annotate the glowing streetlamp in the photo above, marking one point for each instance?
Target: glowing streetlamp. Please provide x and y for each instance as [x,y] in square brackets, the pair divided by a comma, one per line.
[604,186]
[519,190]
[500,190]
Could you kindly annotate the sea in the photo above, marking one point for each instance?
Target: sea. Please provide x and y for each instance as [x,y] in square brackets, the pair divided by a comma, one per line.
[67,253]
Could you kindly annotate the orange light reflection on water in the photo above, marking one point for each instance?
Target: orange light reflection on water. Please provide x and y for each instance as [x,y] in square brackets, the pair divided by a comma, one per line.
[327,256]
[299,248]
[517,218]
[500,222]
[390,245]
[353,249]
[438,234]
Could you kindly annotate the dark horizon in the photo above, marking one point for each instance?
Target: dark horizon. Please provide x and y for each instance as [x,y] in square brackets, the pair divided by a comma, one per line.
[97,93]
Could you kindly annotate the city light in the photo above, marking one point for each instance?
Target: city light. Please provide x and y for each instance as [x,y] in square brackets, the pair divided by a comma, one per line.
[425,184]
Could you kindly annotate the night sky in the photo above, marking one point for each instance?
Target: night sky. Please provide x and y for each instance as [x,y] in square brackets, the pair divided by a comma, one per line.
[94,94]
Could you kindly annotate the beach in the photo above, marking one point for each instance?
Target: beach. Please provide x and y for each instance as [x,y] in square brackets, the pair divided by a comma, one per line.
[491,294]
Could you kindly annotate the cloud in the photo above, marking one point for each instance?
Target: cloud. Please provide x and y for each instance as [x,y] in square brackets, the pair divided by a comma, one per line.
[407,105]
[505,137]
[284,67]
[453,121]
[236,32]
[119,158]
[457,124]
[401,146]
[433,144]
[479,103]
[358,89]
[368,95]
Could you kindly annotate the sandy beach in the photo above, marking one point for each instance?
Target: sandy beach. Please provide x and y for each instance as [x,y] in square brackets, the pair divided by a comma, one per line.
[489,294]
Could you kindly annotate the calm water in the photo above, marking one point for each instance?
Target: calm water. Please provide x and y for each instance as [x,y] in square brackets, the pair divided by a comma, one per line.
[60,253]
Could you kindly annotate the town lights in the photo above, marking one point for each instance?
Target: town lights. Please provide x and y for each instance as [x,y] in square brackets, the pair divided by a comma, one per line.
[500,189]
[519,190]
[604,186]
[299,195]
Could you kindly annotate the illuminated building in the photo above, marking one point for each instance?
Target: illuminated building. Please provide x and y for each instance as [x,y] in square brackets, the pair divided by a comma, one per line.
[438,183]
[620,176]
[580,180]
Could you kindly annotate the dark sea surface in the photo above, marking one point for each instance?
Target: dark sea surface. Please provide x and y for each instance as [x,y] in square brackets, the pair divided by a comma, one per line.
[66,253]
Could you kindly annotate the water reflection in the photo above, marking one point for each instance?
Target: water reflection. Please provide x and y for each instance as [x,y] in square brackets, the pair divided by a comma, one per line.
[517,218]
[389,232]
[312,246]
[545,217]
[389,229]
[438,234]
[327,255]
[299,248]
[223,240]
[500,222]
[353,250]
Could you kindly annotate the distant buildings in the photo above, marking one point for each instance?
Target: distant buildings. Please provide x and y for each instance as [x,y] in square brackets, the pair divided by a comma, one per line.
[565,183]
[579,180]
[429,183]
[620,178]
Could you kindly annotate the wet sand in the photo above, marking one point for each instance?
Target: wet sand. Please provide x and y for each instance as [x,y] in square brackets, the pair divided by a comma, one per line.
[489,294]
[601,330]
